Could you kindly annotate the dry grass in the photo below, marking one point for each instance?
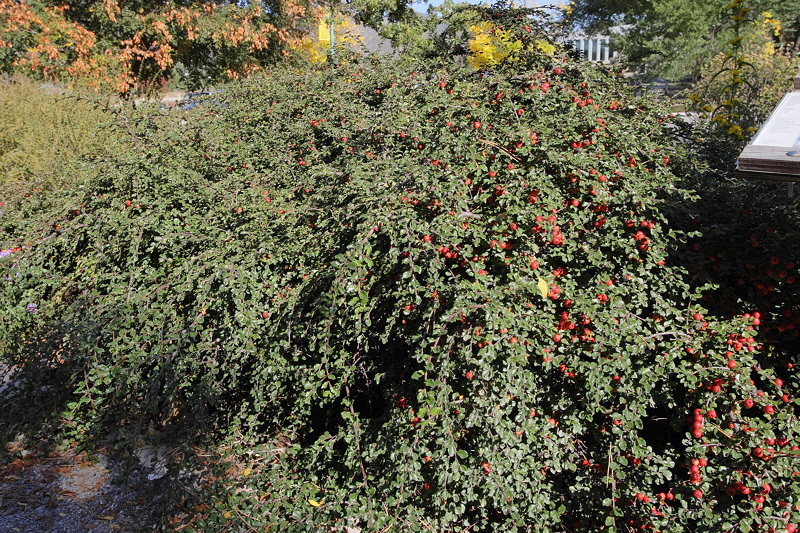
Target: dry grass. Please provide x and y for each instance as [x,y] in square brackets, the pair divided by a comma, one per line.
[42,132]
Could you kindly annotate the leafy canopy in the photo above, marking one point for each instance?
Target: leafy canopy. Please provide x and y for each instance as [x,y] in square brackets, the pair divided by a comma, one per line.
[118,44]
[674,38]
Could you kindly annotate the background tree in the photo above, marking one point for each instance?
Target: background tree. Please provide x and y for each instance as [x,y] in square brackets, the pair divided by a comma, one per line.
[113,44]
[739,88]
[377,13]
[479,35]
[673,38]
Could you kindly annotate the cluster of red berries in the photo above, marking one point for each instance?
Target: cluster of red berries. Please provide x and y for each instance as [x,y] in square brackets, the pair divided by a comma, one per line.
[697,424]
[695,475]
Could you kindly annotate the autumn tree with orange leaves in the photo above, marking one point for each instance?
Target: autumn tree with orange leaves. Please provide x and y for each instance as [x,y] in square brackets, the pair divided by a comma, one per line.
[122,44]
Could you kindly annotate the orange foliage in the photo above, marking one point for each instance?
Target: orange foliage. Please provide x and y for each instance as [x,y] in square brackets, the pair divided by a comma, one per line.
[47,42]
[112,9]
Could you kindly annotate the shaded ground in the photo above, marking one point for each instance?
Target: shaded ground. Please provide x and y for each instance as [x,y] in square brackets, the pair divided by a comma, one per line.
[46,488]
[64,492]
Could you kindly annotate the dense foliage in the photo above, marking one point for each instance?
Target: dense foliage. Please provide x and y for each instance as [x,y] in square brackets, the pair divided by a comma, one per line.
[117,45]
[41,132]
[675,38]
[741,86]
[433,300]
[122,45]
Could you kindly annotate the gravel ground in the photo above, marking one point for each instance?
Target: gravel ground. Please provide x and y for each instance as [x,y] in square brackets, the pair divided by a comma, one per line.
[44,490]
[63,492]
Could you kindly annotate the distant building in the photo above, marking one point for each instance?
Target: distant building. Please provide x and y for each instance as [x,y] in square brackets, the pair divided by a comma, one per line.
[595,48]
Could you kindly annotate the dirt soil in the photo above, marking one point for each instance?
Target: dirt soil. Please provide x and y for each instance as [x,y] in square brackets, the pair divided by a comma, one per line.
[46,489]
[65,492]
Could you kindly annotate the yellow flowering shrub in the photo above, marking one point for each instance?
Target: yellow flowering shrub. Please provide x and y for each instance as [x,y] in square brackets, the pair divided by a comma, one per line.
[491,45]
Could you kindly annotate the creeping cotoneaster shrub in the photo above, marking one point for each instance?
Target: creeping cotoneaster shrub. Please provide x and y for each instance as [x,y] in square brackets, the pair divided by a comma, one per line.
[418,300]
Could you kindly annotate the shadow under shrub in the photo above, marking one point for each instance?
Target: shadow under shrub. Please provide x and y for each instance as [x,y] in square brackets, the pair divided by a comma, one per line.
[434,300]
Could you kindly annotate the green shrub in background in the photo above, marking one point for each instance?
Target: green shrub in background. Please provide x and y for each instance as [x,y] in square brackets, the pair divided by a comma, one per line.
[41,132]
[433,300]
[739,88]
